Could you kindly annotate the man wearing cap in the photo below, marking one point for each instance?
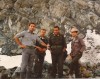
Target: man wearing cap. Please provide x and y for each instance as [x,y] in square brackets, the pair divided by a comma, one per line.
[58,47]
[28,45]
[77,48]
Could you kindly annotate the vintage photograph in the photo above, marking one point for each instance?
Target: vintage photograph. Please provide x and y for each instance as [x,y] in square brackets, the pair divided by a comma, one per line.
[49,39]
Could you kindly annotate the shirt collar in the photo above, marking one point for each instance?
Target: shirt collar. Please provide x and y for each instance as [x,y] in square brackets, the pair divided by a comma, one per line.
[74,38]
[42,37]
[29,32]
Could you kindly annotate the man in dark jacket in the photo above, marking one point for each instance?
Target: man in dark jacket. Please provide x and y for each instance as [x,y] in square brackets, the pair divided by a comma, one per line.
[57,47]
[77,48]
[40,54]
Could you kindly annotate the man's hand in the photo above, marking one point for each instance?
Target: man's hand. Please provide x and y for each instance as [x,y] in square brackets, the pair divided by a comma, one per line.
[48,46]
[69,57]
[64,49]
[43,44]
[39,48]
[44,49]
[22,46]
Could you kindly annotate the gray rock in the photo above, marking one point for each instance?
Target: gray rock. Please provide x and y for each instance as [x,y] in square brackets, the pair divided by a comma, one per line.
[2,68]
[97,72]
[16,73]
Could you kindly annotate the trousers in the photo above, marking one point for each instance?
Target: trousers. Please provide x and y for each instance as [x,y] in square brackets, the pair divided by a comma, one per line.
[27,63]
[75,66]
[57,63]
[39,64]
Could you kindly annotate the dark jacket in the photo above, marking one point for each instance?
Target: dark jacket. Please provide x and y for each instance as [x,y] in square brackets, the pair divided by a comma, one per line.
[57,41]
[45,40]
[77,46]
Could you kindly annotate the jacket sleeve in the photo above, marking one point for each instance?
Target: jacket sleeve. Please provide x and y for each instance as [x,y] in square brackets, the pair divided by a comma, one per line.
[64,42]
[83,45]
[49,41]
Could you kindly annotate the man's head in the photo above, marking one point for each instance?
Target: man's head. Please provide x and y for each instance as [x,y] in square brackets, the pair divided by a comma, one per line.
[56,30]
[74,32]
[42,32]
[31,26]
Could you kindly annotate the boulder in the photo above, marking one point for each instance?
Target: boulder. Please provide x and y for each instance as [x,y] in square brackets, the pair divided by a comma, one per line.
[97,72]
[16,73]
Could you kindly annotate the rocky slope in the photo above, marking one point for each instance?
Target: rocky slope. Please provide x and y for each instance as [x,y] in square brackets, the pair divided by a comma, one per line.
[15,15]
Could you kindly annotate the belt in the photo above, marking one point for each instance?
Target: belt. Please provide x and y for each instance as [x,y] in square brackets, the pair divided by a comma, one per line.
[58,46]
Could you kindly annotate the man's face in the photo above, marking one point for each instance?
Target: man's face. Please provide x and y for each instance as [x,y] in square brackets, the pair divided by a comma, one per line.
[42,32]
[74,34]
[31,27]
[56,31]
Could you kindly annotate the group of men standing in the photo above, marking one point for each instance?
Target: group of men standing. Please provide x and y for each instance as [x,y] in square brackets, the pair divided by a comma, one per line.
[34,48]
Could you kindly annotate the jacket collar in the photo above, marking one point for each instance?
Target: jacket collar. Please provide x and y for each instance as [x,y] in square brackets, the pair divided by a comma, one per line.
[74,38]
[56,35]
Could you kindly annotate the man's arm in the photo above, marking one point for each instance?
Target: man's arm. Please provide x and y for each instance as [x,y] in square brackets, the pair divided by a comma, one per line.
[17,36]
[64,44]
[19,42]
[83,45]
[43,44]
[44,47]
